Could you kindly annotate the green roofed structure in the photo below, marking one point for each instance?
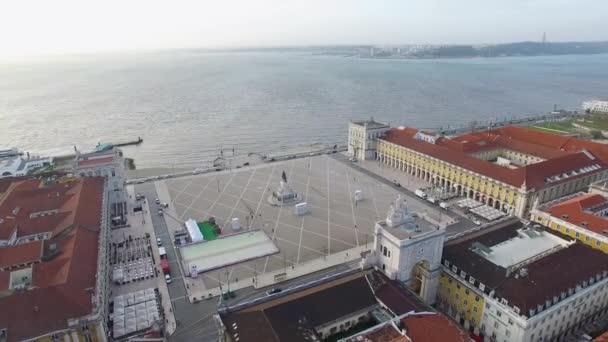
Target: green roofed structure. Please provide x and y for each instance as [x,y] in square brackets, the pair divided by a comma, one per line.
[209,230]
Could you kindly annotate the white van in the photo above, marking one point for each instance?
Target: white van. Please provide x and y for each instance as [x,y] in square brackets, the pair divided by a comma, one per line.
[444,205]
[420,193]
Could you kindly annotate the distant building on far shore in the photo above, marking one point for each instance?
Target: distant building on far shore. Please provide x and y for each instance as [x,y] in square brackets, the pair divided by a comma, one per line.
[596,106]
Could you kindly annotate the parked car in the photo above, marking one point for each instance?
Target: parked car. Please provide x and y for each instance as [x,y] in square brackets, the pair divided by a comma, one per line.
[165,205]
[160,212]
[168,279]
[444,205]
[139,197]
[477,222]
[159,242]
[420,193]
[273,291]
[157,201]
[353,159]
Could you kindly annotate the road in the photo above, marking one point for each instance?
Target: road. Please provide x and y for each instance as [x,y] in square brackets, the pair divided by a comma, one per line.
[194,320]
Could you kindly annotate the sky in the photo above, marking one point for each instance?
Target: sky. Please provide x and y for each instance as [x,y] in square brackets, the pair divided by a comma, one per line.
[64,26]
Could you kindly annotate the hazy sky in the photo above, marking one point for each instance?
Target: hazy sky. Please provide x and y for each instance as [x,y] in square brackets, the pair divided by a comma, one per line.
[58,26]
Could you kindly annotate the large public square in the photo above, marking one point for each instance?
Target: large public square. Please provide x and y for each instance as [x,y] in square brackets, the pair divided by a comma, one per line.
[335,224]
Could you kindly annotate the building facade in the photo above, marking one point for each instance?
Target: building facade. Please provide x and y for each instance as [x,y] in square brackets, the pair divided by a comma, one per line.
[408,249]
[506,168]
[596,106]
[523,283]
[19,166]
[108,162]
[362,138]
[582,216]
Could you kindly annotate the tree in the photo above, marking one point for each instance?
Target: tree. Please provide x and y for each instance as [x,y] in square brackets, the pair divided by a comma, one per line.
[595,134]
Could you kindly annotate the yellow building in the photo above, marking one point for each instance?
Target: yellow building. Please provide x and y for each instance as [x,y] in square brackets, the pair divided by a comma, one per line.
[508,168]
[461,300]
[516,282]
[582,216]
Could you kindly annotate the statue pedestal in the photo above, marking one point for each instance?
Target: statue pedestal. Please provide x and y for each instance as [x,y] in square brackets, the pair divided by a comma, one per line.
[284,195]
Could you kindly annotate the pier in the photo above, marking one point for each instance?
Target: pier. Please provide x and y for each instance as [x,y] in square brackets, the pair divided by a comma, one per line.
[137,141]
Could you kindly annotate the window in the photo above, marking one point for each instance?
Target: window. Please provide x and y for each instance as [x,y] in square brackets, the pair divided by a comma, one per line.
[498,313]
[508,333]
[474,309]
[510,322]
[487,306]
[113,173]
[477,298]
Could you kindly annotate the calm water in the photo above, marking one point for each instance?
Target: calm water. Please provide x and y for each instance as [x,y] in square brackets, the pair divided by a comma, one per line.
[186,105]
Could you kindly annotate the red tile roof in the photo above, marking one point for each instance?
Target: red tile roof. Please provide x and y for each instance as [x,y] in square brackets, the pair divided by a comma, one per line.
[432,328]
[5,277]
[88,162]
[27,198]
[602,338]
[397,299]
[573,211]
[20,254]
[558,160]
[62,287]
[386,333]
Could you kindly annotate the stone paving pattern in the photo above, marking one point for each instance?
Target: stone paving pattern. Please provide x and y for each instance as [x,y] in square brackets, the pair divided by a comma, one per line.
[336,223]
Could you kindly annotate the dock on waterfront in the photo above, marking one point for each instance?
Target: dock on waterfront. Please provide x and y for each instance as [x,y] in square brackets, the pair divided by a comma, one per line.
[138,141]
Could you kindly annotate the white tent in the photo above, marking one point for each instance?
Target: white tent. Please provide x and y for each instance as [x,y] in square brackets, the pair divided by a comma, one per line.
[193,230]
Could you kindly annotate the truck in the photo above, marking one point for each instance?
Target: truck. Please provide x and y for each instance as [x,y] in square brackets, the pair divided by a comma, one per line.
[164,264]
[444,205]
[420,193]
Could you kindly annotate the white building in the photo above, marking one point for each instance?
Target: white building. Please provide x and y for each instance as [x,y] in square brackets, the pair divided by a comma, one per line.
[408,248]
[19,166]
[596,106]
[362,137]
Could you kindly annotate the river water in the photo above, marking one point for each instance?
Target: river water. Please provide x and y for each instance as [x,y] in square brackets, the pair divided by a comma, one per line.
[187,105]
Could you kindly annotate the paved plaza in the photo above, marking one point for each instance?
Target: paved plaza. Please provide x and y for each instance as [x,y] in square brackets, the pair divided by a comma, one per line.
[336,223]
